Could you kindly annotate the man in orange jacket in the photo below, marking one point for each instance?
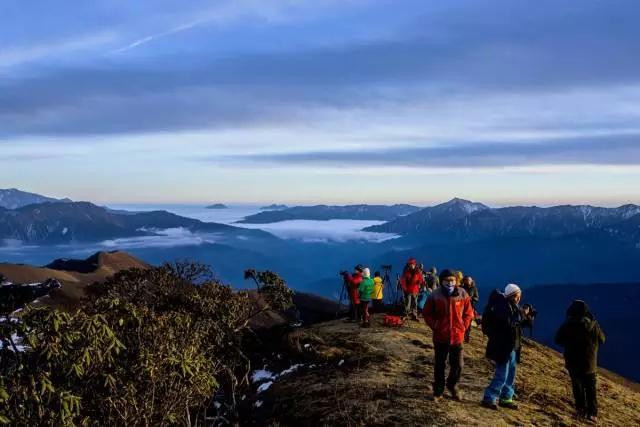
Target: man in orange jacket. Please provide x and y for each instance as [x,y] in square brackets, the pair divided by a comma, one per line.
[448,313]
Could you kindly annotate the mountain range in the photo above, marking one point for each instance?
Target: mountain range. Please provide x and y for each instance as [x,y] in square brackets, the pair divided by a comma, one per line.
[464,221]
[67,222]
[12,198]
[325,213]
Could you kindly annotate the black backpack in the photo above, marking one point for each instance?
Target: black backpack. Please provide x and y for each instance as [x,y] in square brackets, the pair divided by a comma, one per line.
[495,299]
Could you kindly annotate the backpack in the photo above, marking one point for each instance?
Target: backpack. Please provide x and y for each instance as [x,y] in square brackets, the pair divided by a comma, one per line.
[488,325]
[389,320]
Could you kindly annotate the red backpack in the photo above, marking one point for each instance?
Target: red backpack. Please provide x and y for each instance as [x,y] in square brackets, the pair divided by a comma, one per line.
[395,321]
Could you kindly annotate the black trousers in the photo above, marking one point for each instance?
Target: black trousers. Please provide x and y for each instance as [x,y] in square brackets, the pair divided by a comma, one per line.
[378,306]
[354,312]
[456,362]
[585,393]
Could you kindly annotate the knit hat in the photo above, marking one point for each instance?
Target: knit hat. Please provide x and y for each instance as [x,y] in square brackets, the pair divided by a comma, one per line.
[412,261]
[366,272]
[511,289]
[446,273]
[359,268]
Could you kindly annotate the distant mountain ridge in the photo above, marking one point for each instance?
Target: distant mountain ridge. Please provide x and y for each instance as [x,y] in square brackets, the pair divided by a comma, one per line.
[62,222]
[274,207]
[468,221]
[325,213]
[217,206]
[12,198]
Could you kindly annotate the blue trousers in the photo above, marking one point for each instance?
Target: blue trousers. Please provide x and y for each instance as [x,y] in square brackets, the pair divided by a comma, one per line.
[501,386]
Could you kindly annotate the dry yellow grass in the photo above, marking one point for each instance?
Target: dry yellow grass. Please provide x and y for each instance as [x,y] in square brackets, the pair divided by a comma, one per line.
[386,380]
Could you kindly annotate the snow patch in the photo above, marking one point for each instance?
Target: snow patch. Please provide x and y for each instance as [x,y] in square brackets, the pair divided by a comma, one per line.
[262,375]
[293,368]
[264,387]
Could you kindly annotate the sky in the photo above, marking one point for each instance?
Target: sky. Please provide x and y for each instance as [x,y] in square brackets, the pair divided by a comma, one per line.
[501,102]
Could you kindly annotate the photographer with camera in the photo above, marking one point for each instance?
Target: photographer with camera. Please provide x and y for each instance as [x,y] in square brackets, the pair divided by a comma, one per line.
[352,282]
[502,323]
[410,282]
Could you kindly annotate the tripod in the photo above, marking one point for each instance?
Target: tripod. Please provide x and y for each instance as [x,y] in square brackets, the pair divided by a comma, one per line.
[342,292]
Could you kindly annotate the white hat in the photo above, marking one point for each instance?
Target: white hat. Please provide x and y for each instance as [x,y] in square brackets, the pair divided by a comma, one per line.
[366,272]
[511,289]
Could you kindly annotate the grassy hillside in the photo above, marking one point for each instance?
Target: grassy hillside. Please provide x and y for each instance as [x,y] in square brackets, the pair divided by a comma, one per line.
[382,376]
[74,275]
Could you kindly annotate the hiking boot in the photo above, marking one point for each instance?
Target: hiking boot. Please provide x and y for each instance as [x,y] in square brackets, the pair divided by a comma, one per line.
[508,403]
[456,394]
[592,419]
[437,397]
[489,404]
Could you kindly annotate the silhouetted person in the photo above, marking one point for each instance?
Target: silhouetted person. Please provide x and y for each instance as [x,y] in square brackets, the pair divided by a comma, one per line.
[581,336]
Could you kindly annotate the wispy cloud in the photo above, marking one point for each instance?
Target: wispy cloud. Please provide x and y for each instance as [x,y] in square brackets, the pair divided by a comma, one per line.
[11,56]
[606,150]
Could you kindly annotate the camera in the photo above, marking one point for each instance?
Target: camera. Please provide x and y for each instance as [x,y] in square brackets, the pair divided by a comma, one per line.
[529,311]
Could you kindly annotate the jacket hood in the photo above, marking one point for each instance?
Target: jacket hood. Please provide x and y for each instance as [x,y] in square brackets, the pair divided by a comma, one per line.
[578,309]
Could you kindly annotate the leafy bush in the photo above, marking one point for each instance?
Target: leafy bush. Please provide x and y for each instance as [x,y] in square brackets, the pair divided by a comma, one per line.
[148,347]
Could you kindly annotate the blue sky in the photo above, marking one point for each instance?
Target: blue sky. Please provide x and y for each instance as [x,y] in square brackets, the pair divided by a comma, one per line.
[502,102]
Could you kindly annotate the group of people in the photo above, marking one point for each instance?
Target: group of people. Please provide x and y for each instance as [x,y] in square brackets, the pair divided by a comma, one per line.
[447,302]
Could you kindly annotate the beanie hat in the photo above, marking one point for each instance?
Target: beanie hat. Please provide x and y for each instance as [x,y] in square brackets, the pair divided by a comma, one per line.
[412,261]
[511,289]
[359,268]
[446,273]
[366,272]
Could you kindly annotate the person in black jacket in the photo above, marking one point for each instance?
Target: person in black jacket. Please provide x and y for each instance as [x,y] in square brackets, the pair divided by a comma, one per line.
[581,335]
[469,285]
[501,322]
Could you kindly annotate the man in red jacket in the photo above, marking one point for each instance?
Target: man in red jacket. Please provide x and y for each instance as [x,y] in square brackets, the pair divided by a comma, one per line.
[448,313]
[352,282]
[410,282]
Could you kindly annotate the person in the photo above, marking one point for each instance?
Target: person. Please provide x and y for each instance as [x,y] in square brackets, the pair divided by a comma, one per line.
[469,285]
[501,322]
[431,279]
[448,313]
[410,283]
[365,289]
[423,295]
[377,295]
[581,336]
[352,281]
[459,277]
